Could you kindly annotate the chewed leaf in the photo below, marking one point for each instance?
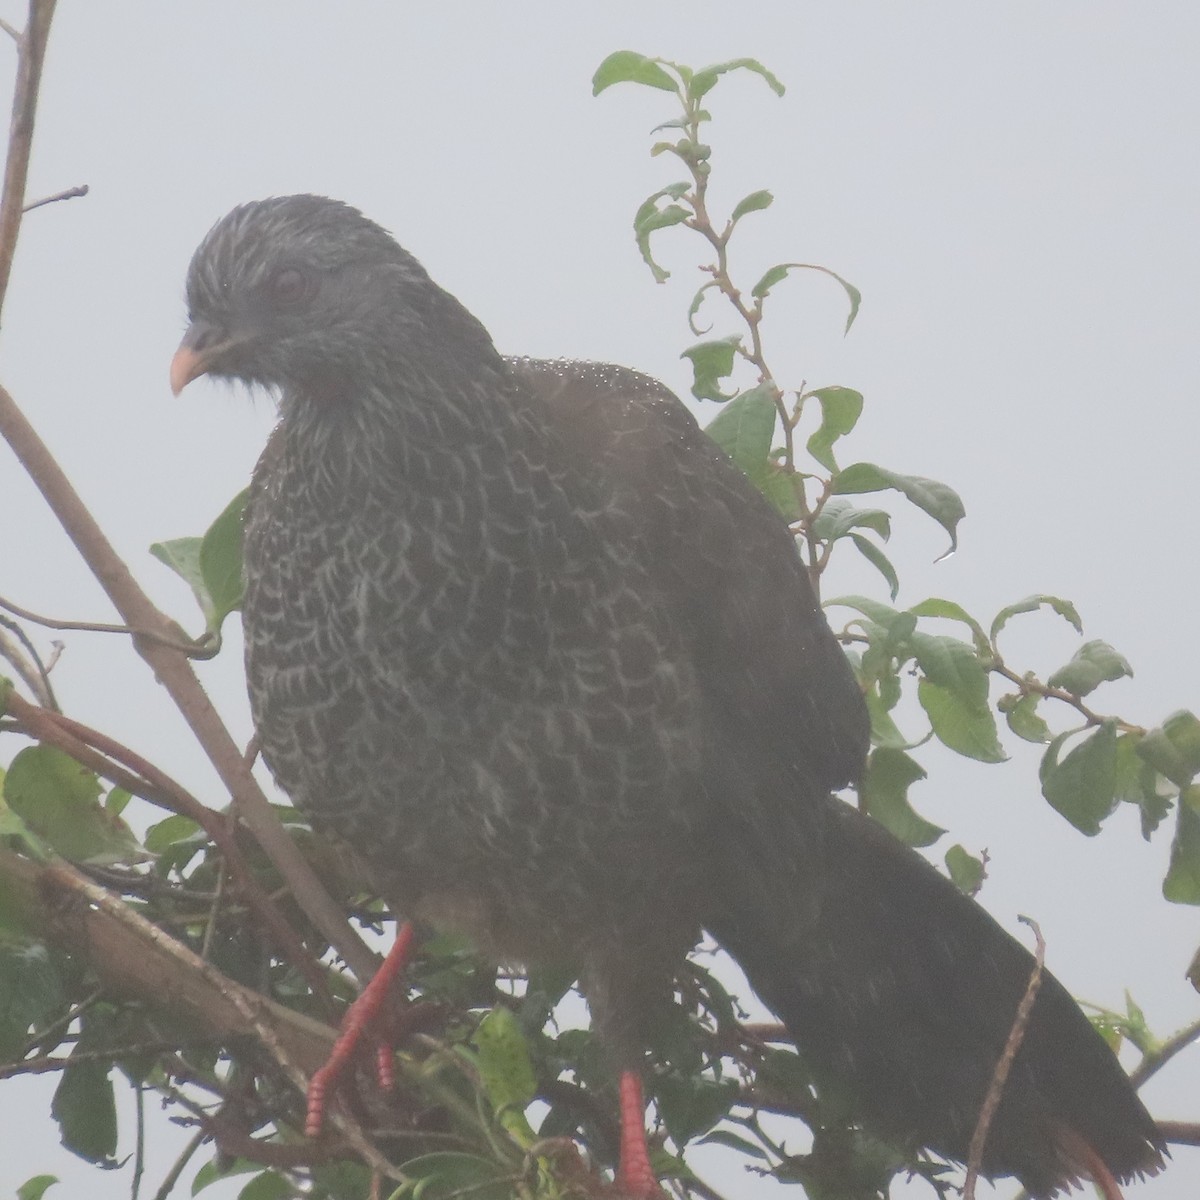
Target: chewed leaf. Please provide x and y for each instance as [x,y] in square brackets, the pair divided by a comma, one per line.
[840,409]
[890,773]
[1064,608]
[1082,787]
[704,79]
[712,362]
[1093,663]
[59,801]
[780,272]
[942,503]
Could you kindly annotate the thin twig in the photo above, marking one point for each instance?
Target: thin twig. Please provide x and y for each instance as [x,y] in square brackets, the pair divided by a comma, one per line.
[170,668]
[197,649]
[139,1153]
[177,1167]
[44,1063]
[1154,1062]
[27,663]
[1016,1036]
[43,1037]
[175,673]
[214,912]
[80,189]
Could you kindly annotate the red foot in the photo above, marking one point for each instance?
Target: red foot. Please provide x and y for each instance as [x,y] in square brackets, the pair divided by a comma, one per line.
[635,1176]
[358,1016]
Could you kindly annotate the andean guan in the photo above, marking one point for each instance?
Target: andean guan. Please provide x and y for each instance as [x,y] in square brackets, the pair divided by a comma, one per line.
[522,636]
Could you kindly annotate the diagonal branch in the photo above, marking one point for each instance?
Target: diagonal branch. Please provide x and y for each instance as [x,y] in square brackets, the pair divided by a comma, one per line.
[170,667]
[31,50]
[141,778]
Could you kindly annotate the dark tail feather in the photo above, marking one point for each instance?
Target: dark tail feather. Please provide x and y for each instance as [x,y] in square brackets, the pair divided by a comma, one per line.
[901,992]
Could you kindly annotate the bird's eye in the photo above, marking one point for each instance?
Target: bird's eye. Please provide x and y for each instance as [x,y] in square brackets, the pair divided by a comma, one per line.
[290,287]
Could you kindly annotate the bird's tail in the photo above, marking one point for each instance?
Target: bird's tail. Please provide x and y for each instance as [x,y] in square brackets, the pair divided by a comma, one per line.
[901,992]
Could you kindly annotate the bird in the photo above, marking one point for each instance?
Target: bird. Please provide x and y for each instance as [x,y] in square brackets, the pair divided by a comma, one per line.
[525,639]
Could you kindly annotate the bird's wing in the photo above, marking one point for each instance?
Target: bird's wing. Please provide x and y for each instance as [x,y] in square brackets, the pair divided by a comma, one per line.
[725,564]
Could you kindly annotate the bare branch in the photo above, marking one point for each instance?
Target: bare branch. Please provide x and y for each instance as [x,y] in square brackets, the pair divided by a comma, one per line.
[27,663]
[31,49]
[1000,1076]
[1154,1062]
[80,189]
[197,649]
[174,672]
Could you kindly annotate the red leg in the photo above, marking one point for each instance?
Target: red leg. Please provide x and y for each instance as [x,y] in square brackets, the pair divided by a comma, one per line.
[358,1016]
[635,1176]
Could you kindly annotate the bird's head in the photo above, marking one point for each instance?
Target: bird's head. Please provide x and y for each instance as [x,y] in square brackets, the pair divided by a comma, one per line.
[305,295]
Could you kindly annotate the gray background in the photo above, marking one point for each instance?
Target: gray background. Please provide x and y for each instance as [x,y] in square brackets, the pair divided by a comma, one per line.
[1014,188]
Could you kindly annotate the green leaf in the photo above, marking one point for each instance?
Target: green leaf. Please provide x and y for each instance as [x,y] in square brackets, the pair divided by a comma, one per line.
[968,731]
[703,81]
[57,799]
[1022,716]
[649,218]
[1182,882]
[966,871]
[745,428]
[31,995]
[840,409]
[220,1168]
[939,501]
[450,1175]
[934,606]
[877,611]
[692,1106]
[884,731]
[267,1186]
[627,66]
[952,664]
[779,272]
[890,773]
[506,1071]
[732,1141]
[182,555]
[35,1188]
[221,560]
[1137,783]
[1064,608]
[839,517]
[1173,749]
[694,307]
[117,800]
[169,832]
[85,1111]
[755,202]
[879,561]
[1094,663]
[712,362]
[1082,787]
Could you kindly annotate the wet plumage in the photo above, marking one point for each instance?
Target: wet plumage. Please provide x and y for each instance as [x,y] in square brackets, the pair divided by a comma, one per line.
[521,635]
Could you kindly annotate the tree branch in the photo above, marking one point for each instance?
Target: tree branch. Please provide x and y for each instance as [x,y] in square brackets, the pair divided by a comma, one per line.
[1016,1036]
[94,751]
[31,50]
[170,667]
